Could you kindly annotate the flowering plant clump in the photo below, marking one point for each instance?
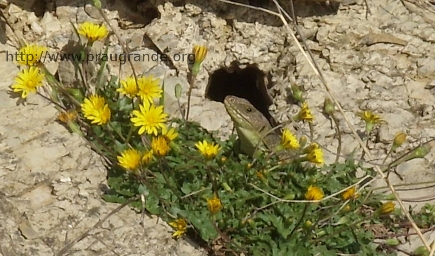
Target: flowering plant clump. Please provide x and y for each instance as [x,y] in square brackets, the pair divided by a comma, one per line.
[202,187]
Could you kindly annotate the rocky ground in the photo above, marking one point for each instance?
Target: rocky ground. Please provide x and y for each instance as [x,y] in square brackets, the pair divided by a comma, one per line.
[51,182]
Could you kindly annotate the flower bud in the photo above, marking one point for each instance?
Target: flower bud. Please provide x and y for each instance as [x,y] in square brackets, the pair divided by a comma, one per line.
[392,242]
[200,52]
[421,251]
[386,208]
[308,224]
[178,90]
[328,107]
[297,93]
[97,3]
[399,140]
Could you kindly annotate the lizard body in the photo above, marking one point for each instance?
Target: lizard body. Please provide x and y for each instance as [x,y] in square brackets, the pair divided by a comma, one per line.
[253,129]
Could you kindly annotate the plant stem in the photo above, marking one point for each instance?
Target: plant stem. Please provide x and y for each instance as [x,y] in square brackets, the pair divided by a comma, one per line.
[189,94]
[299,222]
[339,138]
[210,176]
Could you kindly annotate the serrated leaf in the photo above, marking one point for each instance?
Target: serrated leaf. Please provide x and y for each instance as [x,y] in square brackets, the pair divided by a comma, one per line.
[202,223]
[152,204]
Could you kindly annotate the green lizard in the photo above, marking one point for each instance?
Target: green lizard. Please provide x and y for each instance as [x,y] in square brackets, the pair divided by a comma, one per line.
[252,127]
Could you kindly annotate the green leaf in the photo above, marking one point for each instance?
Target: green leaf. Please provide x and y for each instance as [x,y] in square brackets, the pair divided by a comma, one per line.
[421,251]
[143,190]
[125,105]
[283,230]
[152,204]
[392,241]
[202,222]
[103,63]
[114,198]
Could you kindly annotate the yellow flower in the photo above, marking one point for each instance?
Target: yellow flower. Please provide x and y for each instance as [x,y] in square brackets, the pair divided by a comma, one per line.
[147,157]
[149,88]
[128,87]
[67,116]
[304,114]
[180,226]
[96,109]
[386,208]
[150,118]
[314,193]
[315,154]
[214,204]
[209,150]
[130,159]
[30,54]
[368,116]
[160,146]
[92,32]
[349,194]
[170,134]
[27,81]
[288,140]
[370,119]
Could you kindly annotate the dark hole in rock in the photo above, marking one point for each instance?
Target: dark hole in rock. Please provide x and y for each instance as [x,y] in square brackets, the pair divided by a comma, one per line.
[249,83]
[39,7]
[151,13]
[140,11]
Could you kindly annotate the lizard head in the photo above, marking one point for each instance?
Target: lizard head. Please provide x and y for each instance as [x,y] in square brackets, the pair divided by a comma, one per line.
[250,123]
[245,115]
